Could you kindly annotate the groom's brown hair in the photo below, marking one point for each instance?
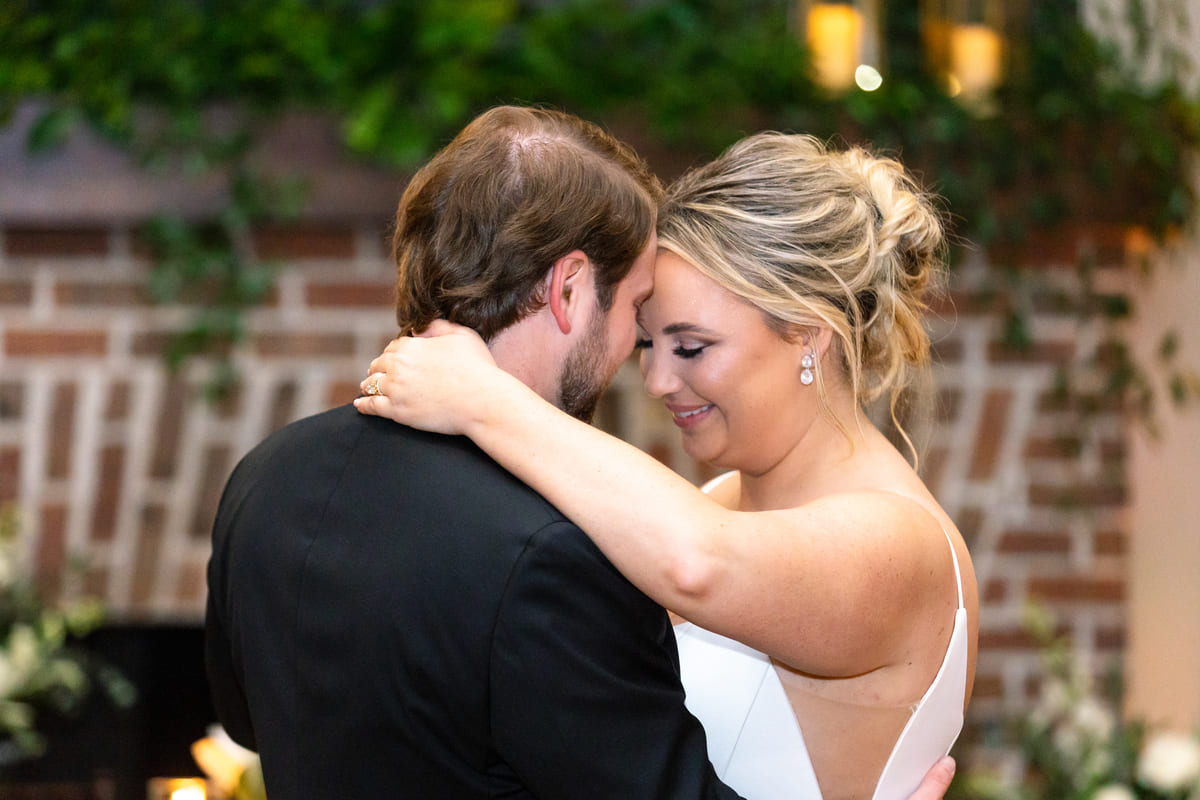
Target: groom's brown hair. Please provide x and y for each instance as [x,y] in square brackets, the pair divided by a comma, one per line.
[482,223]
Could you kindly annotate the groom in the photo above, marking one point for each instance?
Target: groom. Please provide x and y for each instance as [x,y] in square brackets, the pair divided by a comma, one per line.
[390,613]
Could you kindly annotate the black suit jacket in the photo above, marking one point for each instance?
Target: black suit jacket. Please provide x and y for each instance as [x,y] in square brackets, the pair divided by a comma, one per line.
[392,615]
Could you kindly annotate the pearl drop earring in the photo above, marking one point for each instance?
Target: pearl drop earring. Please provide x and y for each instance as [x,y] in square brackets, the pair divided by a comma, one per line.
[806,363]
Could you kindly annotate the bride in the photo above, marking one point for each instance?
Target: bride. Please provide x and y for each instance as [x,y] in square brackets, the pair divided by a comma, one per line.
[830,603]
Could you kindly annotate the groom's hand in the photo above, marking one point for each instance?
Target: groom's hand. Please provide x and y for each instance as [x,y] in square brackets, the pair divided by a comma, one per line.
[936,782]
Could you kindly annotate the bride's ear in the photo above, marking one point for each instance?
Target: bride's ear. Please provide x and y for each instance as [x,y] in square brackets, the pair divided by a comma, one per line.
[565,292]
[822,339]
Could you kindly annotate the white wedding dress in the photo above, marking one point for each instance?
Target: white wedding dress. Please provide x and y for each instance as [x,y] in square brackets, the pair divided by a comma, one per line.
[755,742]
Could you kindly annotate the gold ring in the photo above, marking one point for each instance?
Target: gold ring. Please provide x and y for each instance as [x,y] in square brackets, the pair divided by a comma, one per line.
[373,387]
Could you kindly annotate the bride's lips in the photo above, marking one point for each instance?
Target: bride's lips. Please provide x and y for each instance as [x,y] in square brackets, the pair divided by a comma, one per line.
[689,416]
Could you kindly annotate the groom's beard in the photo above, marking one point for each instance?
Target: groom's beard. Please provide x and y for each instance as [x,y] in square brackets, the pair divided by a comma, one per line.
[586,373]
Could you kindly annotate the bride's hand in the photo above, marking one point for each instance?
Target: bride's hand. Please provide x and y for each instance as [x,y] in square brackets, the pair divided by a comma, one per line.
[433,381]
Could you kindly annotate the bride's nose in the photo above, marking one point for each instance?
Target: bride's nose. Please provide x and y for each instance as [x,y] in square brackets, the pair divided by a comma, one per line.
[657,375]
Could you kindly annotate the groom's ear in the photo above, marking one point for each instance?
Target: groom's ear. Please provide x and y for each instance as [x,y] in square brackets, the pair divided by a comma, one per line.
[567,288]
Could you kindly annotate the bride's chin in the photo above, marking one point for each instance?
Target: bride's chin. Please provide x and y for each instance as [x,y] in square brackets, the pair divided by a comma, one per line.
[697,452]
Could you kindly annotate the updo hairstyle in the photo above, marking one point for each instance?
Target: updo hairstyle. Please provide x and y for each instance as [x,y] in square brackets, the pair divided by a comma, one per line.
[811,235]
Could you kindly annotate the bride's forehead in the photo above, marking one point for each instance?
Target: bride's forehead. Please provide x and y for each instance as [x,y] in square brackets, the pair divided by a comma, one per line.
[677,279]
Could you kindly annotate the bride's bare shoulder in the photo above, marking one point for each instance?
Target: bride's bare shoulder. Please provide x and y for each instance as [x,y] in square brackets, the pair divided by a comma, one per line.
[725,488]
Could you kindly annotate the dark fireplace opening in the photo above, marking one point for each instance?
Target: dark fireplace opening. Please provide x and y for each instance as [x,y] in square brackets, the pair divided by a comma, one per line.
[110,753]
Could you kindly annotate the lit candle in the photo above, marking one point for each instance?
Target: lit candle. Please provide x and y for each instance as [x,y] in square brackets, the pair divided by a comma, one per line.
[177,789]
[835,32]
[187,789]
[976,53]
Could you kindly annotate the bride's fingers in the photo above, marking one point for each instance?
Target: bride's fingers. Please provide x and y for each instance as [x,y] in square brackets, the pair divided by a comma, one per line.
[373,405]
[382,362]
[370,385]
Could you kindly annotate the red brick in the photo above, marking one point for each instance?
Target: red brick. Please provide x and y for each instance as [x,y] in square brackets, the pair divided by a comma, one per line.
[1111,543]
[304,344]
[1056,401]
[216,470]
[933,465]
[946,351]
[108,496]
[1113,450]
[149,344]
[988,686]
[12,400]
[948,404]
[192,584]
[1054,447]
[993,427]
[1077,496]
[969,521]
[24,242]
[95,581]
[341,392]
[959,303]
[146,565]
[34,343]
[283,405]
[229,404]
[307,241]
[1054,303]
[994,591]
[16,293]
[1008,639]
[1034,542]
[10,474]
[1078,590]
[119,398]
[62,431]
[169,429]
[1041,352]
[353,295]
[52,550]
[100,293]
[1111,638]
[1063,246]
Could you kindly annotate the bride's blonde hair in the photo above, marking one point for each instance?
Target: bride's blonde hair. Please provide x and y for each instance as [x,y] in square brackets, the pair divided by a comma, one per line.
[811,235]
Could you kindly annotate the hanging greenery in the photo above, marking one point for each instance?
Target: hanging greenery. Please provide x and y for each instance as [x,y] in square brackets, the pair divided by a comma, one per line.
[1075,133]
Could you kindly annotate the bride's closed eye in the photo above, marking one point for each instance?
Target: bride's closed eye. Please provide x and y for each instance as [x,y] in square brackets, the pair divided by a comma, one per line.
[688,352]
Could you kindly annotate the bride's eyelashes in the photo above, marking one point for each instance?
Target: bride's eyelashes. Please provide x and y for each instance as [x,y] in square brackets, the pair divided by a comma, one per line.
[688,352]
[644,343]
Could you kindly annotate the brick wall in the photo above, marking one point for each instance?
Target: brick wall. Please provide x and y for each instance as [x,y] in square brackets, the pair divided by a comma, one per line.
[113,459]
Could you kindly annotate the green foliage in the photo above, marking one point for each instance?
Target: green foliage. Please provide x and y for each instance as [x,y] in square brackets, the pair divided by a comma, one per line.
[1075,744]
[1074,134]
[42,666]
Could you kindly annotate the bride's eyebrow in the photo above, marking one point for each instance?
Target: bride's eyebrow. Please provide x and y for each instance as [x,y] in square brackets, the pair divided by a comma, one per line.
[685,327]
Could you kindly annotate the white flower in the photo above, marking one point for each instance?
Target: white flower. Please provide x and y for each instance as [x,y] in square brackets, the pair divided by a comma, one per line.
[1058,696]
[23,652]
[1069,742]
[1170,762]
[1094,719]
[1114,791]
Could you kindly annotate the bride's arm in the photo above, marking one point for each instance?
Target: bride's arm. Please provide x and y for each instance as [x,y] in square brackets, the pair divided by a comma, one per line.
[794,583]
